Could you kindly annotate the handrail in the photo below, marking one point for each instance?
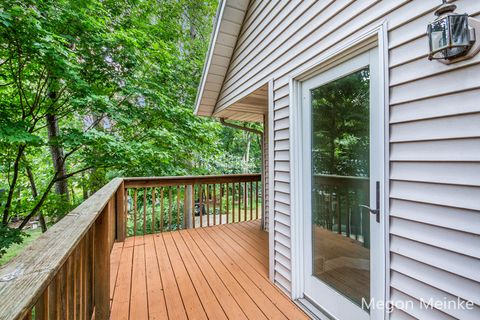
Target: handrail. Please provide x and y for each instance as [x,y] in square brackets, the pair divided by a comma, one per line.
[24,280]
[58,273]
[140,182]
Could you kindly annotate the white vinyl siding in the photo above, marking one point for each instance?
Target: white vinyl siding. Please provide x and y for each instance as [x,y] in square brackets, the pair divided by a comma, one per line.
[434,137]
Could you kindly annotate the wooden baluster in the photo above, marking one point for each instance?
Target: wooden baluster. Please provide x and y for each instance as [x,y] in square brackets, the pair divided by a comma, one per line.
[240,202]
[169,208]
[221,202]
[193,206]
[62,291]
[28,316]
[178,207]
[251,200]
[52,300]
[102,267]
[41,307]
[233,202]
[89,276]
[228,204]
[78,280]
[214,205]
[70,277]
[245,204]
[161,209]
[144,210]
[135,212]
[337,209]
[347,221]
[200,192]
[185,206]
[153,210]
[207,196]
[257,198]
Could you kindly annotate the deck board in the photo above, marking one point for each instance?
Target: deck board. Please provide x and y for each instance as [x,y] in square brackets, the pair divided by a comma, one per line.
[217,272]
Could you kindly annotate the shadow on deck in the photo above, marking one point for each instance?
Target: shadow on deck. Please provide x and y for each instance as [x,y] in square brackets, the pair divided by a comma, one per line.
[219,272]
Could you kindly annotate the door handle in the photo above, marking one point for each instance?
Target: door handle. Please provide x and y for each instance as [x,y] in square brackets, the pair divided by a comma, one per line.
[375,211]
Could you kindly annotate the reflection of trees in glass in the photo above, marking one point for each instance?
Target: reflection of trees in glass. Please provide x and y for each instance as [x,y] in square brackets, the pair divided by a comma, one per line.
[340,121]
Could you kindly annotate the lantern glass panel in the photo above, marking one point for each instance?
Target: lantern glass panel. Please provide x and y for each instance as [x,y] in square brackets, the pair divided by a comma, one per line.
[459,30]
[439,34]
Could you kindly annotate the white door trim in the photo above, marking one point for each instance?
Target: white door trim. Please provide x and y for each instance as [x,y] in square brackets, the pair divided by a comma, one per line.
[374,37]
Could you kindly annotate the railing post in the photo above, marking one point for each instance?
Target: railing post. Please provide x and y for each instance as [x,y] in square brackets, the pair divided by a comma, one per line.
[120,213]
[188,208]
[102,266]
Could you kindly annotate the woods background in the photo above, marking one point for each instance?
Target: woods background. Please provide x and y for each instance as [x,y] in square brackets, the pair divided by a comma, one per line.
[92,90]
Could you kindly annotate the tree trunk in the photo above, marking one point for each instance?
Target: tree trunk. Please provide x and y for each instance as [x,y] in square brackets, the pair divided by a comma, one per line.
[246,155]
[56,151]
[33,186]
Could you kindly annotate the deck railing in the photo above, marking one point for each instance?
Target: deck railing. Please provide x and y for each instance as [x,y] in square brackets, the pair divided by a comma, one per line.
[337,201]
[170,203]
[65,274]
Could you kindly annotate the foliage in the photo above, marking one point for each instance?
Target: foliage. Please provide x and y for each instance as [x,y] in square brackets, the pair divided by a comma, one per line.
[340,139]
[120,77]
[9,236]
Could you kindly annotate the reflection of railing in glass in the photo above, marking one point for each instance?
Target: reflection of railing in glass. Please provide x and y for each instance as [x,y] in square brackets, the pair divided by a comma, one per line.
[341,234]
[336,203]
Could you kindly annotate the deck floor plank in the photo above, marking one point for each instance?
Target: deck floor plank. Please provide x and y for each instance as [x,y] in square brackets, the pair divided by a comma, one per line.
[190,297]
[249,307]
[231,307]
[138,295]
[208,299]
[114,266]
[251,233]
[247,254]
[260,299]
[121,298]
[157,308]
[247,244]
[260,278]
[218,272]
[173,299]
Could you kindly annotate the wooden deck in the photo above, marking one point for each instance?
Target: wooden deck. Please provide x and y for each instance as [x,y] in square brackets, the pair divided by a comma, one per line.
[219,272]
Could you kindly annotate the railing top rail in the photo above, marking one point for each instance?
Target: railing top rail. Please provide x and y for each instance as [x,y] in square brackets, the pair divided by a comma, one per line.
[342,181]
[141,182]
[23,280]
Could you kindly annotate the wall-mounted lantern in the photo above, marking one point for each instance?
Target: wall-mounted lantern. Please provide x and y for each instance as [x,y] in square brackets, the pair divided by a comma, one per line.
[452,36]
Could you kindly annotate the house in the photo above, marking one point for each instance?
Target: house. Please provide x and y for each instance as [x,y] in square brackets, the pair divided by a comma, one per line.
[372,151]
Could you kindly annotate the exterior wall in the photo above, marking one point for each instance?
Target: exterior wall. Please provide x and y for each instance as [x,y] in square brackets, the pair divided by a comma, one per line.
[266,169]
[434,135]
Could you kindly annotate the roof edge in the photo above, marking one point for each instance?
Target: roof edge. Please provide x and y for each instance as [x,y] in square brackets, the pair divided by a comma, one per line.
[211,47]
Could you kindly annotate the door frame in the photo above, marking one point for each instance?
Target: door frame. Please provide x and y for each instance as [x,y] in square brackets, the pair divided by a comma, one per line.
[375,37]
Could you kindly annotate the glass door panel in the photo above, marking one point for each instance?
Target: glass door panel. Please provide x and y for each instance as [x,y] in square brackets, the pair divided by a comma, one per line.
[340,165]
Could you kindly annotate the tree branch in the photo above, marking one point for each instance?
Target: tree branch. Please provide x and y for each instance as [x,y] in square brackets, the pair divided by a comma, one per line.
[8,204]
[73,173]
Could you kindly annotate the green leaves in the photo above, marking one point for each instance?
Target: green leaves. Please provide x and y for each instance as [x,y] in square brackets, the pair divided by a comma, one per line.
[8,237]
[16,132]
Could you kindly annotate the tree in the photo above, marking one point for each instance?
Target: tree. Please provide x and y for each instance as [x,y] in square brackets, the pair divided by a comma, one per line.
[93,89]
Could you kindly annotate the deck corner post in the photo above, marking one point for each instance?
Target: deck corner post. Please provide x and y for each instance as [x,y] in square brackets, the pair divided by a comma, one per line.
[101,268]
[188,208]
[120,213]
